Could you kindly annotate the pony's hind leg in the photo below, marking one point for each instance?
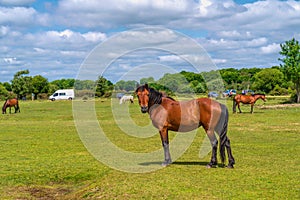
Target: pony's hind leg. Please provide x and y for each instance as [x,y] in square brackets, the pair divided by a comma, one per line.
[17,109]
[214,143]
[234,106]
[231,160]
[239,107]
[252,105]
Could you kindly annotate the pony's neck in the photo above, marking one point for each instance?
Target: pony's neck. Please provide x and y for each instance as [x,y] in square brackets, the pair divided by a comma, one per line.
[258,96]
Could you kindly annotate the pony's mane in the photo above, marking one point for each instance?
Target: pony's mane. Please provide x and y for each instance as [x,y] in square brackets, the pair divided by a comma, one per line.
[170,98]
[155,97]
[258,94]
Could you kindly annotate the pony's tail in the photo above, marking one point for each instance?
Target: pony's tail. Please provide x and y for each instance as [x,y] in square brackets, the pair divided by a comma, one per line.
[223,131]
[18,107]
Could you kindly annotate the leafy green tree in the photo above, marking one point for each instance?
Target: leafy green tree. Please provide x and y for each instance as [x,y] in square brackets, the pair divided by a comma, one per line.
[84,85]
[197,86]
[120,85]
[7,86]
[191,76]
[21,84]
[127,85]
[147,80]
[3,92]
[267,79]
[175,82]
[230,75]
[39,85]
[103,87]
[64,83]
[290,50]
[130,85]
[161,88]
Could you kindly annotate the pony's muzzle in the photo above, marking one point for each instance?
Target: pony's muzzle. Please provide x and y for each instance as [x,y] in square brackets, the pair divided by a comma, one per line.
[144,109]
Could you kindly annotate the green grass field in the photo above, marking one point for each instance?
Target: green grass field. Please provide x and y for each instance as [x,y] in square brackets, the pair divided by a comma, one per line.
[42,157]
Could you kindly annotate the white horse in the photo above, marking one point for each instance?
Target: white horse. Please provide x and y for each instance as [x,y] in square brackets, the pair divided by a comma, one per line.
[126,98]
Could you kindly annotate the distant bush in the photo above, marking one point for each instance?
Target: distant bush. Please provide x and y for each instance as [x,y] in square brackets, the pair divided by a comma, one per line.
[279,91]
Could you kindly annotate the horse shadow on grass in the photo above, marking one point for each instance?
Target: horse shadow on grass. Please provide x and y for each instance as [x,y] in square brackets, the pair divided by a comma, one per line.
[187,163]
[194,163]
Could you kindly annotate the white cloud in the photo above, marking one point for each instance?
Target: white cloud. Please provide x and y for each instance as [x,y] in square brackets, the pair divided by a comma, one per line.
[94,36]
[170,58]
[215,8]
[10,60]
[257,42]
[3,30]
[59,39]
[218,61]
[271,48]
[20,17]
[104,14]
[16,15]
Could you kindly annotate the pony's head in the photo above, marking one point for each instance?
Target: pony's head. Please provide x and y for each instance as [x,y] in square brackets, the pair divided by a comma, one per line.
[4,107]
[262,96]
[142,93]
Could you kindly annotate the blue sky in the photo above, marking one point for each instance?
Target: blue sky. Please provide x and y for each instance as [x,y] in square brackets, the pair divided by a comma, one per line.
[54,38]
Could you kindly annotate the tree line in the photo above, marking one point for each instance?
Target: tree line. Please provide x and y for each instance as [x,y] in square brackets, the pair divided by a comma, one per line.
[277,80]
[23,86]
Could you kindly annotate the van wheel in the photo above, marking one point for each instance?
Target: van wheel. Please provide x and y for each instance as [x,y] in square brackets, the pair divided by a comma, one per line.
[52,99]
[70,98]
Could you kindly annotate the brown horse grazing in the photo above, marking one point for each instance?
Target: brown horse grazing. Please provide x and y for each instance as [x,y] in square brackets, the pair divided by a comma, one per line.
[246,99]
[167,114]
[11,103]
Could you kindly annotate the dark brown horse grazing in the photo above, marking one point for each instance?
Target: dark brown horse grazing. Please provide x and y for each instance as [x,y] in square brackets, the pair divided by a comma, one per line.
[246,99]
[167,114]
[11,103]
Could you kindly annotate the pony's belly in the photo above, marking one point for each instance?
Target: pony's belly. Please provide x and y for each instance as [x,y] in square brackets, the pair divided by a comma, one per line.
[183,128]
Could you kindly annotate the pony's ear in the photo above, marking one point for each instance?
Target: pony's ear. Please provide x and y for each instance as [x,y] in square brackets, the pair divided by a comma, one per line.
[146,86]
[137,87]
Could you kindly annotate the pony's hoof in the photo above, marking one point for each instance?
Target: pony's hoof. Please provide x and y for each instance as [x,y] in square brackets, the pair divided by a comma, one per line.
[208,166]
[230,167]
[166,163]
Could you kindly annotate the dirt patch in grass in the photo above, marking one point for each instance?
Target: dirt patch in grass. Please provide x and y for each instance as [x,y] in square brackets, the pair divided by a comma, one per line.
[279,106]
[39,193]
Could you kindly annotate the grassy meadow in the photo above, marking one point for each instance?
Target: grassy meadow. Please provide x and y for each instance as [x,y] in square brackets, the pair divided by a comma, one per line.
[42,157]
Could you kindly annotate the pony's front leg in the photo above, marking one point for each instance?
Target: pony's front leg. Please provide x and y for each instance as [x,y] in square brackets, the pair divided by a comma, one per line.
[251,108]
[165,144]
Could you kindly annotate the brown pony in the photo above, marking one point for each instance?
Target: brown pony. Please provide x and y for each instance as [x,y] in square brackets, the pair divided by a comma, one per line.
[246,99]
[11,103]
[167,114]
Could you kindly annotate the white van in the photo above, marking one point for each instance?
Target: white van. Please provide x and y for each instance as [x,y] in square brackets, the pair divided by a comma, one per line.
[66,94]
